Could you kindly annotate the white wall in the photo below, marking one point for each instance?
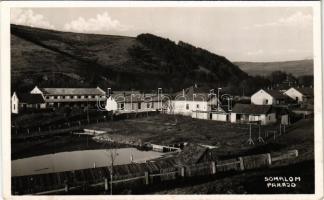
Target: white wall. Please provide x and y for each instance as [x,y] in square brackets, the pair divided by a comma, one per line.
[260,97]
[111,104]
[36,90]
[14,103]
[293,93]
[219,117]
[200,115]
[268,119]
[180,107]
[233,117]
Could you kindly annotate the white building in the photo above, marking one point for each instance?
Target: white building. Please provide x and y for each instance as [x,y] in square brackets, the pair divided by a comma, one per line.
[191,102]
[250,113]
[301,95]
[125,102]
[268,97]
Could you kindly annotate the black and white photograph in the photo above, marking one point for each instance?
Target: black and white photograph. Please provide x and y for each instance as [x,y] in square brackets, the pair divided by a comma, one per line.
[164,100]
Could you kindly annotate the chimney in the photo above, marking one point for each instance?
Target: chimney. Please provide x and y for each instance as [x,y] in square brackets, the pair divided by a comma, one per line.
[108,92]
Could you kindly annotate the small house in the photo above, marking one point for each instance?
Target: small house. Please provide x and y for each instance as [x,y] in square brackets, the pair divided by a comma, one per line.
[193,102]
[301,95]
[194,154]
[133,102]
[251,113]
[24,102]
[268,97]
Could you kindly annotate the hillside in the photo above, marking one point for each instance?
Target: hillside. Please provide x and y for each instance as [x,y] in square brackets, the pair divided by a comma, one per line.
[60,59]
[296,68]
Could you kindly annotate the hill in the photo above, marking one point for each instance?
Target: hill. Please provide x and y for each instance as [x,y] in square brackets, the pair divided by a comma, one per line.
[50,58]
[296,68]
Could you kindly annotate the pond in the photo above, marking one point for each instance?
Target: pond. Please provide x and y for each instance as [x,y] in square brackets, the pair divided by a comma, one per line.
[74,160]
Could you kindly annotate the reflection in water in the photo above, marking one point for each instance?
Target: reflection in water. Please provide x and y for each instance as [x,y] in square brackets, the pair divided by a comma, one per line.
[75,160]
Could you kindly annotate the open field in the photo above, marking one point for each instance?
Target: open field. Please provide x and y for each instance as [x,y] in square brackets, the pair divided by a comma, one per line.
[230,138]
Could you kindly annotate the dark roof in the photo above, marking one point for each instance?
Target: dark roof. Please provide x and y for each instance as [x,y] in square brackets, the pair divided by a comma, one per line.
[136,97]
[307,91]
[276,94]
[251,109]
[191,154]
[73,91]
[194,94]
[30,98]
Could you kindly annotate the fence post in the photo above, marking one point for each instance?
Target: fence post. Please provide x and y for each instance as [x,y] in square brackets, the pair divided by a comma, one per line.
[147,177]
[66,188]
[241,163]
[269,158]
[296,152]
[106,184]
[182,172]
[213,164]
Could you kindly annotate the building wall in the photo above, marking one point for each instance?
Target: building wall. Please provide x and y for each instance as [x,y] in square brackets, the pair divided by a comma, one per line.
[131,106]
[233,117]
[294,94]
[262,98]
[200,115]
[14,104]
[219,117]
[186,107]
[268,119]
[265,119]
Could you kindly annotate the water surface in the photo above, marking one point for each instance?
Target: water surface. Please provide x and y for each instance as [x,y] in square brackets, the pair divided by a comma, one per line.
[75,160]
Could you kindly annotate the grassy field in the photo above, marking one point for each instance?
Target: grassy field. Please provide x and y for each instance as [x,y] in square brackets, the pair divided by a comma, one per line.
[168,129]
[231,140]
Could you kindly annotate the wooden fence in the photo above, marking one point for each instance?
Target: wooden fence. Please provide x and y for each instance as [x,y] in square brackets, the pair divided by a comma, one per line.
[139,175]
[66,127]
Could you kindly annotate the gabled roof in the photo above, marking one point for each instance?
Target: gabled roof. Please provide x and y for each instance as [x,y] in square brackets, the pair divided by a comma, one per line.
[30,98]
[120,97]
[251,109]
[307,91]
[276,94]
[72,91]
[191,154]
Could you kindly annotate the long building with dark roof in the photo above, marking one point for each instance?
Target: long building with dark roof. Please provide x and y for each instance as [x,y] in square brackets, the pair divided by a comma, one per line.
[71,97]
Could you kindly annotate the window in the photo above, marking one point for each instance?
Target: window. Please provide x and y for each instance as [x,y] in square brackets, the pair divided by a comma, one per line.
[187,106]
[266,101]
[139,105]
[147,105]
[121,106]
[296,98]
[197,106]
[152,105]
[269,117]
[14,106]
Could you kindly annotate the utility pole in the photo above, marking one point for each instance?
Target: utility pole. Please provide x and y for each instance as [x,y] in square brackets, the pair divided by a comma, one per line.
[218,89]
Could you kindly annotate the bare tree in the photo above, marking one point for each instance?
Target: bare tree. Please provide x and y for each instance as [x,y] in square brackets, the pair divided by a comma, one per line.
[112,154]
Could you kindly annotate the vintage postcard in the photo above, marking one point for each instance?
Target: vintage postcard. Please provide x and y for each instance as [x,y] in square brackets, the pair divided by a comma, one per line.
[143,100]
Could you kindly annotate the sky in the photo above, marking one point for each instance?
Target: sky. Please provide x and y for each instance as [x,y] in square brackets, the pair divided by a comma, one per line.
[258,34]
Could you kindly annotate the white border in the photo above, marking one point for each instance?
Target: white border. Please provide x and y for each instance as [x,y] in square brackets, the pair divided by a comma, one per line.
[5,90]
